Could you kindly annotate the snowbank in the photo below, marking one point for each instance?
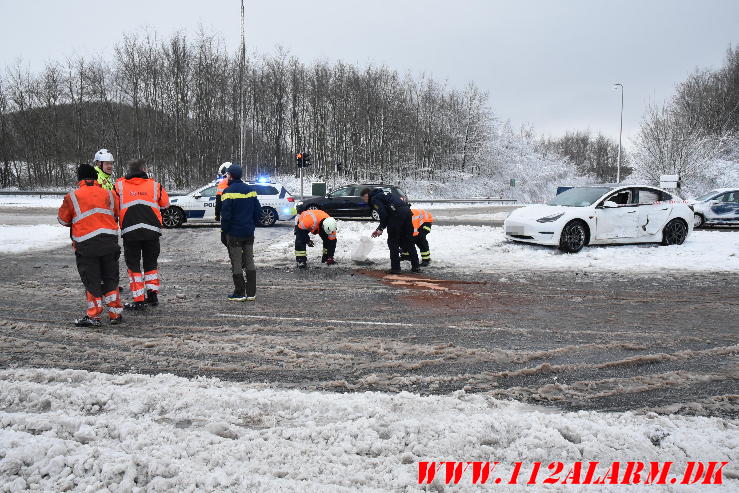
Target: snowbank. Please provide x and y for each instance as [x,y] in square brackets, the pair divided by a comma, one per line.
[70,429]
[485,248]
[44,201]
[16,239]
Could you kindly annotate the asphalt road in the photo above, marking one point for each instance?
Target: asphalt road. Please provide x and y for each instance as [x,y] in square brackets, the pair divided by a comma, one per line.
[663,342]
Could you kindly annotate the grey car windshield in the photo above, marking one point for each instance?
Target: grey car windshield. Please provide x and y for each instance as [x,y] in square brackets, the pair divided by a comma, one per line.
[579,196]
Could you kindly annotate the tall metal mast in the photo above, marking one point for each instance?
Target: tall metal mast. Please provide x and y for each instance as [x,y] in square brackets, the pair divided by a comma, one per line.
[242,69]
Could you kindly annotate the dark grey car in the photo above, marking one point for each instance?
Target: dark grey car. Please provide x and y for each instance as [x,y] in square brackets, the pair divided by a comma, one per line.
[346,201]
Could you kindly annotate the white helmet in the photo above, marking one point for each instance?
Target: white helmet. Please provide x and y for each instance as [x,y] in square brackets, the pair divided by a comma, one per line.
[224,167]
[104,155]
[329,225]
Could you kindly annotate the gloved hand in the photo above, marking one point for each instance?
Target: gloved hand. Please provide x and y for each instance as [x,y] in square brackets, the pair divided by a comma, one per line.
[310,243]
[330,261]
[376,233]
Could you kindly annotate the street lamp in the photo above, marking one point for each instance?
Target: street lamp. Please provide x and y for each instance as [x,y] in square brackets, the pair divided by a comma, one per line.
[620,131]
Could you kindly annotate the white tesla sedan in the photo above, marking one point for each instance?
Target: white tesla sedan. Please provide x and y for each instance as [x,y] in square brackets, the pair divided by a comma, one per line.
[603,214]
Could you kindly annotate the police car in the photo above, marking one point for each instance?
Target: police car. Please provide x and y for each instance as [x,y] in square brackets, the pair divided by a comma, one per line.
[200,204]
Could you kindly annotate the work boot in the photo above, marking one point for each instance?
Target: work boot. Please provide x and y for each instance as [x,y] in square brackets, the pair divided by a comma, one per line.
[395,271]
[239,288]
[416,269]
[135,306]
[116,321]
[425,262]
[302,265]
[152,298]
[87,321]
[330,261]
[251,285]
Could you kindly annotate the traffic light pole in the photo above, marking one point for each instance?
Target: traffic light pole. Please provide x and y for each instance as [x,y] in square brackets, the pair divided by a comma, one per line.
[301,183]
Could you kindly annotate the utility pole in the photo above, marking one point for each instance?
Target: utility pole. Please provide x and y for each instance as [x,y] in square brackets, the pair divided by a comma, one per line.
[242,69]
[620,131]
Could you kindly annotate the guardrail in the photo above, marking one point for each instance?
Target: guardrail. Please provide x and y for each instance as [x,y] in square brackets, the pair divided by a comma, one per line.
[502,201]
[464,201]
[31,192]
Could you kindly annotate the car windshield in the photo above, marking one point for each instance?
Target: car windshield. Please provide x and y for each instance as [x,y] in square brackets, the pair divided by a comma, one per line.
[707,195]
[579,196]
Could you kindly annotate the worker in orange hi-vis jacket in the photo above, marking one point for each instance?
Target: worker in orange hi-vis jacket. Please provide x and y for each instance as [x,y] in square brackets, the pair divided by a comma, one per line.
[314,221]
[421,228]
[91,213]
[141,199]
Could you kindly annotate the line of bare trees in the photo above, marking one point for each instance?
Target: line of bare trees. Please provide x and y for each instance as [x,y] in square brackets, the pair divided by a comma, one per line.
[696,129]
[592,156]
[175,102]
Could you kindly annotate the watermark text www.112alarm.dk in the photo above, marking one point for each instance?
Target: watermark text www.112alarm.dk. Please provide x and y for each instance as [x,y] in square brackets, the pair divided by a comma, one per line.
[576,473]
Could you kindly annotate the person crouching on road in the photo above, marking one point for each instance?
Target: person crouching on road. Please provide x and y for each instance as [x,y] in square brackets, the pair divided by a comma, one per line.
[91,214]
[396,216]
[240,213]
[141,200]
[104,167]
[421,228]
[314,222]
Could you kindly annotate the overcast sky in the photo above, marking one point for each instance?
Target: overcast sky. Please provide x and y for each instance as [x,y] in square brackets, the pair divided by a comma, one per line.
[550,64]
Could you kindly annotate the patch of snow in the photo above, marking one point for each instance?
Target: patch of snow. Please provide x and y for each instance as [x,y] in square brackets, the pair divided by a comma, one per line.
[71,429]
[23,201]
[486,249]
[16,239]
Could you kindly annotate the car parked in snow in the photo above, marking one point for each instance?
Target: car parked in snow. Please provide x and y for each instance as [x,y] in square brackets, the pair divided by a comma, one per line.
[603,214]
[200,205]
[720,206]
[346,201]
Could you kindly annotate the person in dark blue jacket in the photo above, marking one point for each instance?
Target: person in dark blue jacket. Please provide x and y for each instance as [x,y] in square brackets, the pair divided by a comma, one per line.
[396,216]
[240,213]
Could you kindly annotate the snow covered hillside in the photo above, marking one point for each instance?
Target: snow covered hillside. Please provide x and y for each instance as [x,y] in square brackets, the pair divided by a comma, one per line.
[75,430]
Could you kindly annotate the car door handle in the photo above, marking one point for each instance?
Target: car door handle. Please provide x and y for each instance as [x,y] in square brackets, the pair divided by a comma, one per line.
[665,208]
[630,212]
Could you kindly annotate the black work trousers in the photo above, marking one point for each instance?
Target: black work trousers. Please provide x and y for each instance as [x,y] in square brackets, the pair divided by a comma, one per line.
[136,251]
[302,237]
[400,236]
[99,274]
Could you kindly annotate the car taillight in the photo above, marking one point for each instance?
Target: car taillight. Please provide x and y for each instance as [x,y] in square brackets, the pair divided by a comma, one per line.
[290,199]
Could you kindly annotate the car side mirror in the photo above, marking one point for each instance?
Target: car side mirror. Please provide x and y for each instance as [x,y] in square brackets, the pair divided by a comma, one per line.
[609,204]
[712,202]
[197,195]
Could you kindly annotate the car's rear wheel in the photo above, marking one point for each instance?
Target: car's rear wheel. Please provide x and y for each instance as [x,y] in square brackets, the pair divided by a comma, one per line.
[375,215]
[573,237]
[173,217]
[698,220]
[269,216]
[675,232]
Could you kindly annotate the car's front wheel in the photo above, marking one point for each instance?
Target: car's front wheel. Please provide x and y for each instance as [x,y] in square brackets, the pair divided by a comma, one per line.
[269,216]
[675,232]
[375,215]
[173,217]
[573,237]
[698,220]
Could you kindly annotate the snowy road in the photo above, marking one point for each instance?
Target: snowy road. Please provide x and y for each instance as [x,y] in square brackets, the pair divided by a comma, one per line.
[579,338]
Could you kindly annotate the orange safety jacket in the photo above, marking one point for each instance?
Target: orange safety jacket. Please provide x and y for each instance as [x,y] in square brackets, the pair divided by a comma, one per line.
[222,185]
[91,212]
[420,216]
[311,220]
[141,202]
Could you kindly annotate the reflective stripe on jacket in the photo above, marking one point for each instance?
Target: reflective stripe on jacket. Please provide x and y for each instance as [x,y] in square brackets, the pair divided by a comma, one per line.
[141,201]
[91,212]
[420,216]
[311,220]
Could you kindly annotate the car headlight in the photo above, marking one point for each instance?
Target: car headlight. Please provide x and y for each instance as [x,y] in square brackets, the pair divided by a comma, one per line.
[550,219]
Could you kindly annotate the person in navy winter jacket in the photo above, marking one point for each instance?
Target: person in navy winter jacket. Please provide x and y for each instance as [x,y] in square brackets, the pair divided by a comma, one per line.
[240,213]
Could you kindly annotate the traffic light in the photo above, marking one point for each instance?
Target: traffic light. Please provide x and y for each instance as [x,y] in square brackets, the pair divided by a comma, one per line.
[302,159]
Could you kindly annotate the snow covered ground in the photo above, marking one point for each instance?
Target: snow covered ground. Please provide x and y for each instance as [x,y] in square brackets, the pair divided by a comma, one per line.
[16,239]
[23,201]
[66,430]
[484,248]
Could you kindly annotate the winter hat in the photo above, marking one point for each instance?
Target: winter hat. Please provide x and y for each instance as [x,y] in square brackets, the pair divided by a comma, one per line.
[86,172]
[235,171]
